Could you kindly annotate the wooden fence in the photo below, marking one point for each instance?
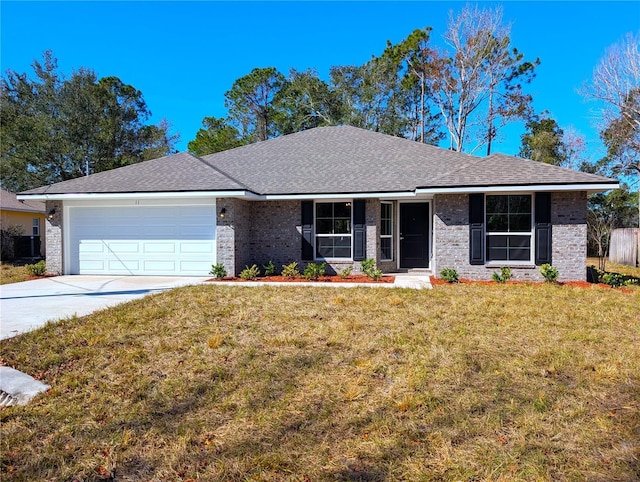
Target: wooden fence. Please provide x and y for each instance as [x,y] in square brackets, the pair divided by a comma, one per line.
[624,247]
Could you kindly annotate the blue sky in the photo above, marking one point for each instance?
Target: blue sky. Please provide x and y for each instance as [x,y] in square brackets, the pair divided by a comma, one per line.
[184,56]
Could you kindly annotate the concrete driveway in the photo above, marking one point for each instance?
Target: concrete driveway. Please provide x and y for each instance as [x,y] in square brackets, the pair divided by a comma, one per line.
[29,305]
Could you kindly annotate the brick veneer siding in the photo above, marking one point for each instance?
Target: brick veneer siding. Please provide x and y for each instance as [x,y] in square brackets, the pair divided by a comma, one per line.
[569,248]
[568,217]
[276,232]
[53,235]
[254,232]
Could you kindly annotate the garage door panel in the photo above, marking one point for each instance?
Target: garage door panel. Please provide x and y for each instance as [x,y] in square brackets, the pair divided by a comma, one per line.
[122,247]
[196,248]
[158,240]
[91,247]
[160,266]
[168,247]
[124,265]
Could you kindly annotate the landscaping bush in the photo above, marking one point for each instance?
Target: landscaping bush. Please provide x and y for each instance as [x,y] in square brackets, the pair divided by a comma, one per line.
[250,273]
[37,269]
[368,267]
[218,271]
[269,268]
[290,270]
[503,276]
[450,275]
[549,273]
[313,271]
[344,273]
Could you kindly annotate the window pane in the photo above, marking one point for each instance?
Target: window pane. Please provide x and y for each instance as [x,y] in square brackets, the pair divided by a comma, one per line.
[324,247]
[333,247]
[508,248]
[385,227]
[385,247]
[520,223]
[342,226]
[497,204]
[324,226]
[508,213]
[519,204]
[342,210]
[496,248]
[324,210]
[497,223]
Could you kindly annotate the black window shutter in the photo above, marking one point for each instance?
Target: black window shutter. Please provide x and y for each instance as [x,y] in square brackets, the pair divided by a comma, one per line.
[307,230]
[359,230]
[476,228]
[543,228]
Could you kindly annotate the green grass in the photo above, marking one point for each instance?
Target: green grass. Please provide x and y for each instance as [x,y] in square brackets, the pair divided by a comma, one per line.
[462,382]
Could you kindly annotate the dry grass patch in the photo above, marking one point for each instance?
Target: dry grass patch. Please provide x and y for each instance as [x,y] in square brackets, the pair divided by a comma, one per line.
[616,268]
[462,382]
[12,274]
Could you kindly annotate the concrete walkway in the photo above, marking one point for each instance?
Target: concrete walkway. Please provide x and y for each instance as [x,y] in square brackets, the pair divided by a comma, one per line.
[402,280]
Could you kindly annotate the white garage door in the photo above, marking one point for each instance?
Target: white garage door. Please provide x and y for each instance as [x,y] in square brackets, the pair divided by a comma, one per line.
[142,240]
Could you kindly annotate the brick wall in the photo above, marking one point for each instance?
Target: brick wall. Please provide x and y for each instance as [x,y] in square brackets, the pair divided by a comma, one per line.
[569,219]
[254,232]
[53,234]
[451,238]
[275,232]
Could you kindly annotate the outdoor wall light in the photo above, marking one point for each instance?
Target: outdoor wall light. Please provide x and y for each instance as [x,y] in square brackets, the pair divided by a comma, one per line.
[223,212]
[51,214]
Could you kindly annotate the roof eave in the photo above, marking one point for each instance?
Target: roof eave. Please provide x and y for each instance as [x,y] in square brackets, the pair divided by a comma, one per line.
[589,187]
[138,195]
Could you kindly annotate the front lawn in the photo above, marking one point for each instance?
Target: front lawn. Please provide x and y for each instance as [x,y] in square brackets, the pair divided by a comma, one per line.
[462,382]
[10,273]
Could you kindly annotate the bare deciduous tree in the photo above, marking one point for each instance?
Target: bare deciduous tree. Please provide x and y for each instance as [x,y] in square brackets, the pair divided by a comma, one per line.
[478,85]
[616,87]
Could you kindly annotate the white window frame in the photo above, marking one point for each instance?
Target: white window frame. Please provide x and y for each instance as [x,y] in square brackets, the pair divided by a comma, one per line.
[316,235]
[530,233]
[390,235]
[35,227]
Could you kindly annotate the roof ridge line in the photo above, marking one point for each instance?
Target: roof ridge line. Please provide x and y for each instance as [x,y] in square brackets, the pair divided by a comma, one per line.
[220,171]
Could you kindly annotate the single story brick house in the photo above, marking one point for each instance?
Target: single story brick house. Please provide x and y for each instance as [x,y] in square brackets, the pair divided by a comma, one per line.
[335,194]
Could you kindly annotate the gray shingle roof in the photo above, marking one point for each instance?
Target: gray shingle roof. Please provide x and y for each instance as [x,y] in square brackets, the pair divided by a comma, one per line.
[179,172]
[9,202]
[325,160]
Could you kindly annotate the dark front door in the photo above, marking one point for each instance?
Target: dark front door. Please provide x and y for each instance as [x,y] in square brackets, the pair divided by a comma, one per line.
[414,235]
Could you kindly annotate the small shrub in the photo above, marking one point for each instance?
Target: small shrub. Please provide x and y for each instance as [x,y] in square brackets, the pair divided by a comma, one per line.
[614,280]
[549,273]
[450,275]
[344,273]
[218,271]
[313,271]
[269,268]
[250,273]
[503,276]
[368,267]
[37,269]
[290,270]
[375,274]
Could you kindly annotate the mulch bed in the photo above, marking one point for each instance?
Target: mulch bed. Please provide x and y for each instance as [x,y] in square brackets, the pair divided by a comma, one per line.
[578,284]
[322,279]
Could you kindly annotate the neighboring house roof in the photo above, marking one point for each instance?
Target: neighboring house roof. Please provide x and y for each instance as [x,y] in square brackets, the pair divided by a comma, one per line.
[9,202]
[325,160]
